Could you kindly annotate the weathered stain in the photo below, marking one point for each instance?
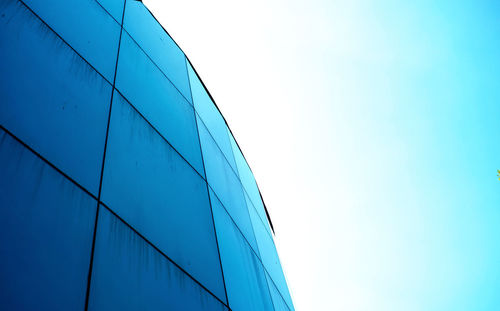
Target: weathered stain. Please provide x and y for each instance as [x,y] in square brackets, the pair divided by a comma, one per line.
[74,64]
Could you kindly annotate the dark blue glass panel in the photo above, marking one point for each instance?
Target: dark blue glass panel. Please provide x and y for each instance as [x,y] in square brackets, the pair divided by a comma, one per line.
[225,184]
[129,274]
[46,229]
[86,26]
[248,181]
[50,98]
[211,116]
[245,280]
[114,7]
[142,83]
[269,256]
[153,189]
[278,302]
[158,45]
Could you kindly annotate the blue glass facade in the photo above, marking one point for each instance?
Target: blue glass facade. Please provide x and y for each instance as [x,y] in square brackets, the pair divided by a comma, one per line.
[121,186]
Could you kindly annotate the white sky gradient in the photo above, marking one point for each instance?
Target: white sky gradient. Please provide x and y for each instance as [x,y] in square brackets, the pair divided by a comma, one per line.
[372,130]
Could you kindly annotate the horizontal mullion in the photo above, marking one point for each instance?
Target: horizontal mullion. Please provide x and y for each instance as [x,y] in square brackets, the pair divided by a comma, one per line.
[161,252]
[248,243]
[158,132]
[47,162]
[227,161]
[65,42]
[158,67]
[99,3]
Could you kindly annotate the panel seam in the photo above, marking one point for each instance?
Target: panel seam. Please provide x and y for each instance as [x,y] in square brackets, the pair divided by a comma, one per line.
[250,245]
[63,40]
[92,252]
[156,248]
[206,183]
[41,158]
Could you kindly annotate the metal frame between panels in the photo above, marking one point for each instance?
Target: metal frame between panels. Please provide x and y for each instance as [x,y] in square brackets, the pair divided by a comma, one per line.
[230,132]
[102,174]
[155,64]
[215,104]
[204,178]
[203,162]
[91,265]
[235,171]
[248,244]
[208,191]
[109,13]
[62,39]
[25,145]
[110,210]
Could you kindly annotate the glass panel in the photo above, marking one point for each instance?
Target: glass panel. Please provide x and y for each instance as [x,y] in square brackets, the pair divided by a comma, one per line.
[252,209]
[142,83]
[158,45]
[245,281]
[211,116]
[114,7]
[269,256]
[46,229]
[241,218]
[248,181]
[153,189]
[50,98]
[278,302]
[129,274]
[86,26]
[225,184]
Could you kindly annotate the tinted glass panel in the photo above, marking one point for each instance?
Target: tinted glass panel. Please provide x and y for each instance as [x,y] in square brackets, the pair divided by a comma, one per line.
[46,229]
[50,98]
[142,83]
[245,281]
[269,256]
[152,188]
[225,184]
[157,44]
[248,181]
[129,274]
[114,7]
[96,41]
[241,216]
[211,116]
[278,302]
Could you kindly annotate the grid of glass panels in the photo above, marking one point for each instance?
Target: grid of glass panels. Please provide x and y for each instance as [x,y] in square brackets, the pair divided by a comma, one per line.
[121,186]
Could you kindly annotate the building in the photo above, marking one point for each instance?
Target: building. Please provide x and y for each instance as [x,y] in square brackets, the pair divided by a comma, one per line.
[121,186]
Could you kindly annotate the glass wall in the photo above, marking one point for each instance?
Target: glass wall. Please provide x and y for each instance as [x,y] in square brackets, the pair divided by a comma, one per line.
[121,185]
[126,265]
[46,228]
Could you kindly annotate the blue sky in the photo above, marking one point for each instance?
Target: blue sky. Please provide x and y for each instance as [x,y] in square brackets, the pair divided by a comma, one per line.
[373,130]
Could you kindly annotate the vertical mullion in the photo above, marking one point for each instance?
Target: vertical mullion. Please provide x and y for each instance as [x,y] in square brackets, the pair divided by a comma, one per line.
[206,182]
[89,278]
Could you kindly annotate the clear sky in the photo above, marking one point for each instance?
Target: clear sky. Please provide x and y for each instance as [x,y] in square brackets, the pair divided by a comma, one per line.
[373,130]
